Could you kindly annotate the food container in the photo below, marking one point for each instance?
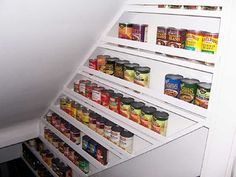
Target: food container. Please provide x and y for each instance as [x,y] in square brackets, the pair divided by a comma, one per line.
[129,72]
[92,120]
[101,155]
[119,68]
[93,64]
[58,123]
[101,63]
[135,114]
[84,166]
[68,106]
[85,116]
[55,162]
[193,40]
[162,5]
[67,130]
[76,85]
[142,76]
[82,86]
[63,103]
[55,142]
[66,150]
[172,85]
[125,31]
[209,42]
[61,146]
[114,101]
[54,119]
[192,7]
[176,37]
[89,89]
[211,8]
[115,134]
[202,94]
[188,89]
[159,122]
[161,35]
[49,117]
[105,97]
[73,111]
[126,141]
[125,108]
[71,156]
[85,142]
[139,32]
[97,94]
[79,113]
[175,6]
[110,65]
[100,123]
[62,126]
[147,116]
[107,129]
[75,135]
[92,150]
[49,158]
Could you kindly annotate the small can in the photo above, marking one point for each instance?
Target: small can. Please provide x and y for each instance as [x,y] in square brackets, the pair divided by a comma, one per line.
[73,111]
[110,65]
[176,37]
[188,89]
[89,89]
[66,150]
[84,166]
[192,7]
[119,68]
[101,62]
[125,31]
[101,154]
[71,155]
[107,129]
[63,126]
[139,32]
[85,116]
[135,114]
[79,115]
[54,119]
[125,106]
[113,103]
[193,40]
[69,106]
[85,142]
[82,86]
[126,141]
[97,94]
[209,42]
[75,135]
[211,8]
[76,85]
[58,123]
[129,72]
[161,35]
[159,122]
[175,6]
[63,103]
[67,130]
[172,85]
[100,124]
[147,116]
[55,142]
[162,5]
[93,64]
[202,94]
[92,120]
[142,76]
[115,134]
[105,97]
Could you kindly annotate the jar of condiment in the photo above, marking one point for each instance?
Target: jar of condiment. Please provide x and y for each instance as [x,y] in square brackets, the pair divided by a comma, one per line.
[113,102]
[85,117]
[129,72]
[89,89]
[63,103]
[126,141]
[100,123]
[142,76]
[75,135]
[119,68]
[110,65]
[50,137]
[147,116]
[92,120]
[107,129]
[125,108]
[115,134]
[84,166]
[135,114]
[44,153]
[49,117]
[159,122]
[97,94]
[105,97]
[46,133]
[85,142]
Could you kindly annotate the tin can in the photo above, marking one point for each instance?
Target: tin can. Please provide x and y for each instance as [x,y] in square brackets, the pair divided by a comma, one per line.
[79,116]
[172,85]
[71,156]
[162,5]
[49,117]
[113,102]
[101,63]
[125,106]
[159,122]
[63,126]
[115,134]
[209,42]
[92,120]
[192,7]
[63,103]
[129,72]
[135,114]
[193,40]
[68,106]
[107,129]
[126,141]
[75,135]
[119,68]
[82,86]
[97,94]
[54,119]
[188,89]
[105,97]
[84,166]
[147,116]
[85,117]
[176,37]
[76,85]
[203,94]
[125,31]
[139,32]
[88,90]
[161,35]
[175,6]
[110,65]
[100,124]
[211,8]
[142,76]
[93,64]
[73,111]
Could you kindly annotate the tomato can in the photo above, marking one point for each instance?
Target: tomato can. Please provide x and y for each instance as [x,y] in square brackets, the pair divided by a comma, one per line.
[93,64]
[209,42]
[97,94]
[105,97]
[82,86]
[114,103]
[193,40]
[88,89]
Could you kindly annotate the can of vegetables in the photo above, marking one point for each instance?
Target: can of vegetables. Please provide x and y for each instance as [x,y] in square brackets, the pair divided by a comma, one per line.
[129,72]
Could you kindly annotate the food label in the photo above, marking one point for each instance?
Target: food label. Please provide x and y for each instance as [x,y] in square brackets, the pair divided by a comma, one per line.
[82,89]
[79,114]
[126,144]
[142,79]
[107,132]
[96,96]
[125,110]
[113,104]
[105,99]
[160,126]
[93,64]
[146,120]
[202,97]
[193,41]
[115,137]
[109,69]
[129,75]
[187,92]
[85,118]
[135,115]
[119,72]
[172,87]
[101,64]
[209,44]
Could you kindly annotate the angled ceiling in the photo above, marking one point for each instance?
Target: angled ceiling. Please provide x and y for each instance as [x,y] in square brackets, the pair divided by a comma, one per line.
[41,44]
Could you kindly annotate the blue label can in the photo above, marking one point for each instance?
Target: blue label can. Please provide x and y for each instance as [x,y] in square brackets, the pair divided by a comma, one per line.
[172,85]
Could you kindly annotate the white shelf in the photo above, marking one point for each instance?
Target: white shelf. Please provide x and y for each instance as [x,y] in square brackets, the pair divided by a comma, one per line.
[199,56]
[38,156]
[95,136]
[63,158]
[29,166]
[77,148]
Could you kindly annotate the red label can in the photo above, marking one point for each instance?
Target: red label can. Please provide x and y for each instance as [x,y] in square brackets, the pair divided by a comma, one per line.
[106,97]
[88,89]
[93,64]
[97,94]
[82,86]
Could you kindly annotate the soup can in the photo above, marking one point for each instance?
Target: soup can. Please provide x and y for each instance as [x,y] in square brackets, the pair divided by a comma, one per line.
[119,68]
[89,89]
[135,114]
[159,122]
[63,102]
[105,97]
[176,37]
[172,85]
[82,86]
[161,35]
[209,42]
[193,40]
[110,65]
[147,116]
[76,85]
[97,94]
[93,64]
[142,76]
[125,30]
[139,32]
[203,94]
[101,62]
[129,71]
[125,107]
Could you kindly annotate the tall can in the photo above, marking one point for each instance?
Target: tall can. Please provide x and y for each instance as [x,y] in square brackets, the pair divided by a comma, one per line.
[125,31]
[139,32]
[193,40]
[210,42]
[161,35]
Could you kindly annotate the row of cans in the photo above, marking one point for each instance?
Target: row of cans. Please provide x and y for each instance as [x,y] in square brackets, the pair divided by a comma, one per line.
[190,7]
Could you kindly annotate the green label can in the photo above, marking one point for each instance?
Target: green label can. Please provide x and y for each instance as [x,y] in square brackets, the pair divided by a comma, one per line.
[188,89]
[203,94]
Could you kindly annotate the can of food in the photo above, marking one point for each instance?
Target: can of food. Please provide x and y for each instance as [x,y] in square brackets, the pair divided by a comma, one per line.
[161,35]
[172,85]
[129,72]
[73,111]
[125,31]
[82,86]
[142,76]
[85,117]
[139,32]
[75,135]
[125,106]
[135,114]
[119,102]
[176,37]
[67,130]
[107,129]
[92,120]
[89,89]
[193,40]
[101,154]
[100,124]
[93,64]
[68,106]
[209,42]
[84,166]
[147,116]
[49,117]
[105,97]
[211,8]
[162,5]
[55,142]
[126,141]
[192,7]
[97,94]
[188,89]
[159,122]
[119,68]
[54,119]
[63,103]
[85,142]
[110,65]
[66,150]
[63,126]
[58,123]
[115,134]
[175,6]
[79,113]
[203,94]
[76,85]
[101,62]
[114,101]
[71,155]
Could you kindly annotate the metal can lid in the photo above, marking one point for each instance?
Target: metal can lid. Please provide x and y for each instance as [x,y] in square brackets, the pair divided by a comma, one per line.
[127,100]
[117,128]
[131,65]
[121,62]
[161,115]
[112,59]
[126,134]
[137,105]
[190,81]
[174,76]
[148,110]
[109,123]
[144,69]
[204,85]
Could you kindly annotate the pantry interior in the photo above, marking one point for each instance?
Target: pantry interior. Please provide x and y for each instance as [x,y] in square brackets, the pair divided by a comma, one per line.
[75,104]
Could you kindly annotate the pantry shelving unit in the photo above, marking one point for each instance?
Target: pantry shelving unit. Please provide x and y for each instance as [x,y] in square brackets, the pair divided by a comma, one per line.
[184,117]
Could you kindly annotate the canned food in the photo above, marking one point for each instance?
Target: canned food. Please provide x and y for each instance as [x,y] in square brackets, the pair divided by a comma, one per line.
[114,101]
[76,85]
[49,117]
[115,134]
[105,97]
[191,7]
[203,94]
[125,31]
[176,37]
[175,6]
[89,89]
[71,156]
[85,142]
[129,72]
[63,126]
[119,68]
[92,120]
[172,85]
[107,129]
[84,166]
[58,123]
[54,119]
[66,150]
[139,32]
[188,89]
[212,8]
[67,130]
[101,62]
[85,116]
[110,65]
[162,6]
[126,141]
[142,76]
[209,42]
[135,114]
[82,86]
[79,116]
[63,103]
[100,123]
[93,64]
[193,40]
[161,35]
[97,94]
[147,116]
[159,122]
[125,106]
[75,135]
[73,111]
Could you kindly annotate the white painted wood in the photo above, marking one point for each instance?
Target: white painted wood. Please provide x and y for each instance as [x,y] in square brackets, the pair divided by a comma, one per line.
[29,166]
